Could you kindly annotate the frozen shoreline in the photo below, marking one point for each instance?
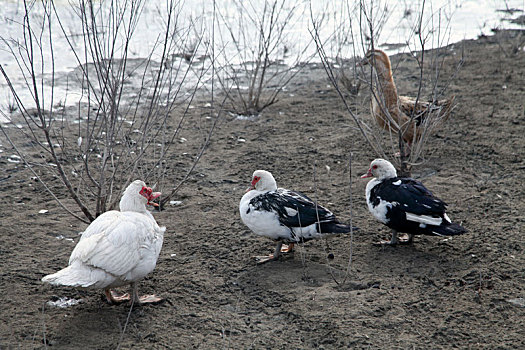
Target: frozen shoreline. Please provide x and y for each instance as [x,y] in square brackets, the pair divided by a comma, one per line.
[468,19]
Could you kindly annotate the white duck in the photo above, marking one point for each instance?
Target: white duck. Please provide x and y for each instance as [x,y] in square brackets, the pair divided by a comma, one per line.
[284,215]
[118,248]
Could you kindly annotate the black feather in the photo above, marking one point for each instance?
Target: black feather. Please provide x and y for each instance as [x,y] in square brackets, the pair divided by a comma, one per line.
[407,195]
[306,211]
[411,194]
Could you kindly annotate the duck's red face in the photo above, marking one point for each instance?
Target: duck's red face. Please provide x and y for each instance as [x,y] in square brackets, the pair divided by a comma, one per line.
[148,193]
[254,182]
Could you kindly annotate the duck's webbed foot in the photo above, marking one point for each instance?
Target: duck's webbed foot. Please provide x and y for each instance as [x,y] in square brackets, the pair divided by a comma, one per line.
[406,239]
[144,299]
[280,250]
[395,240]
[114,298]
[150,299]
[262,259]
[287,248]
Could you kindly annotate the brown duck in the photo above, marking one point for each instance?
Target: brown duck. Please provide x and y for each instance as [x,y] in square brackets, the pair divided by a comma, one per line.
[404,113]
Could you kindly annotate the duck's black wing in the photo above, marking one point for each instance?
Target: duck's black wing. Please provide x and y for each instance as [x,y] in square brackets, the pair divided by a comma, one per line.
[293,209]
[412,196]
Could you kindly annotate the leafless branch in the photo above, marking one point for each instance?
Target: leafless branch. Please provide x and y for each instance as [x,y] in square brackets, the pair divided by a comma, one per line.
[118,132]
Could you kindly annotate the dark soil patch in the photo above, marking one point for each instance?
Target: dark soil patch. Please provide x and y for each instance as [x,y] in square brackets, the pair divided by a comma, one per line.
[438,293]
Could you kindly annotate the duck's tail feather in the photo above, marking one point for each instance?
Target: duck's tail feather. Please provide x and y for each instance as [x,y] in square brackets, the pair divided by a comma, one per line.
[331,227]
[451,229]
[77,275]
[447,105]
[439,110]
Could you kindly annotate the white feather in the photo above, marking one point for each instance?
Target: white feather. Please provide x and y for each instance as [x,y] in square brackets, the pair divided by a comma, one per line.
[424,219]
[117,248]
[290,211]
[261,222]
[379,211]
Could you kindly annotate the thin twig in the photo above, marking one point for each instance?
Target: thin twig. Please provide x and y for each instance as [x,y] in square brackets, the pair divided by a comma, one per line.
[126,324]
[350,257]
[109,151]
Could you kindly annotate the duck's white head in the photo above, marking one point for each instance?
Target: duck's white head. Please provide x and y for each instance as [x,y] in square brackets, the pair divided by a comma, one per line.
[136,196]
[262,180]
[381,169]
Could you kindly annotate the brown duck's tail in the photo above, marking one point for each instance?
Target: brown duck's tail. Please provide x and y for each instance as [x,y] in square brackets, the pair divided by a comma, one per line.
[440,109]
[447,105]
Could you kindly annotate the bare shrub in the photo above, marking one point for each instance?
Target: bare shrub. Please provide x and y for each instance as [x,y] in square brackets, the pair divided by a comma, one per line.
[253,62]
[127,113]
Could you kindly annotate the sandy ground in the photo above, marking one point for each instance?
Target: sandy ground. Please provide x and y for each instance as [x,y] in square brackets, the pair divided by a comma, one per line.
[437,293]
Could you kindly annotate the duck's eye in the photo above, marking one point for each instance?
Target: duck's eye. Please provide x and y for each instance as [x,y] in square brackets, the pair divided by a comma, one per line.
[374,167]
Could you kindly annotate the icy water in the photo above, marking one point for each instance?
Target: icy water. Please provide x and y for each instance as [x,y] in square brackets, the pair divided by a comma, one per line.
[452,21]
